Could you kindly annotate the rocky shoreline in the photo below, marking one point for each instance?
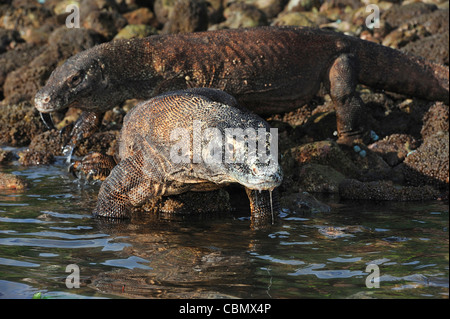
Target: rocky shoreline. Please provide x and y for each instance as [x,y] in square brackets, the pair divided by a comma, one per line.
[407,159]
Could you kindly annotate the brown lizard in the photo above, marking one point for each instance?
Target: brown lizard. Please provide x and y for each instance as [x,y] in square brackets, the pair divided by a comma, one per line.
[148,153]
[268,69]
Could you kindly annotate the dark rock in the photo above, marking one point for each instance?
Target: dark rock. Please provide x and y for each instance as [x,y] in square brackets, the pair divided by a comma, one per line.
[318,178]
[107,23]
[398,14]
[293,19]
[135,31]
[243,15]
[435,120]
[271,8]
[26,17]
[19,124]
[394,148]
[384,191]
[429,163]
[141,16]
[6,156]
[326,153]
[187,16]
[9,39]
[11,181]
[101,142]
[302,5]
[33,158]
[13,59]
[304,202]
[23,83]
[433,48]
[191,202]
[47,142]
[162,9]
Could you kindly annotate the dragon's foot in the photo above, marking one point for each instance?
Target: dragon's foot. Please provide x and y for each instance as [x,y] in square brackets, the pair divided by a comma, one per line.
[86,125]
[94,166]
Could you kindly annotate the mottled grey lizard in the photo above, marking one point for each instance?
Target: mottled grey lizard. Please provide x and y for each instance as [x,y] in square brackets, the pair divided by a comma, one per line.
[188,141]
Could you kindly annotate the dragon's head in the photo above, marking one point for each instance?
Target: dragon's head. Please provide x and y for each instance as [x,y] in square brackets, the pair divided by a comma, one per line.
[74,82]
[248,156]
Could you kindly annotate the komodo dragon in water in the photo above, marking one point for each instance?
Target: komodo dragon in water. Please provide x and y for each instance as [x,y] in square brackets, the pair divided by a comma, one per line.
[152,162]
[268,70]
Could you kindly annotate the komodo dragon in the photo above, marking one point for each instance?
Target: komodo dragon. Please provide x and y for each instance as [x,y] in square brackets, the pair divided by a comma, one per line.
[148,149]
[268,69]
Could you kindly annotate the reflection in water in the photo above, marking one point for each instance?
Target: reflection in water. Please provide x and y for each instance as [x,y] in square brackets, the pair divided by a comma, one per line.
[315,255]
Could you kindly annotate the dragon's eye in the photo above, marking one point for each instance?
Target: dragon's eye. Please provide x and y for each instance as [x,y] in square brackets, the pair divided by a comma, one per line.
[76,79]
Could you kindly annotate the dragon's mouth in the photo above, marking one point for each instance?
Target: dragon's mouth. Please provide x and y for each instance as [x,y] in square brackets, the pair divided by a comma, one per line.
[48,120]
[263,185]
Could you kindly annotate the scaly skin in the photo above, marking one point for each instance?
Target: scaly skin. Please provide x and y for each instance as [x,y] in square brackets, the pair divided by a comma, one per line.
[147,166]
[267,69]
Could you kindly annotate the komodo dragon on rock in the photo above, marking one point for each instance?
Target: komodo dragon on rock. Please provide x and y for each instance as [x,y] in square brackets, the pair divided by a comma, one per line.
[191,141]
[268,69]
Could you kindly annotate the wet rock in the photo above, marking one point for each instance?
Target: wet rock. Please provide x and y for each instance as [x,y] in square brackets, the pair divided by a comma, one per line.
[318,178]
[34,158]
[11,181]
[326,153]
[187,16]
[435,120]
[201,202]
[19,124]
[49,142]
[6,156]
[304,202]
[101,142]
[429,163]
[384,191]
[371,166]
[191,202]
[335,232]
[394,148]
[336,161]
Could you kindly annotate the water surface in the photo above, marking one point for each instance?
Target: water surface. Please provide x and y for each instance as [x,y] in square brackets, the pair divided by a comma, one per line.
[305,255]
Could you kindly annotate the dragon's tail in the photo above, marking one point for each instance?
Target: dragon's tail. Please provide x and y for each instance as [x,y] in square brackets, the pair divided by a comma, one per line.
[392,70]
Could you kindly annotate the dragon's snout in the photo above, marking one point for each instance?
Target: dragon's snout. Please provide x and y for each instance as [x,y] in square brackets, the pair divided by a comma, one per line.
[42,102]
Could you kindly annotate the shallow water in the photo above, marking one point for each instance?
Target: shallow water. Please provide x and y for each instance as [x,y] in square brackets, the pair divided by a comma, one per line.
[305,255]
